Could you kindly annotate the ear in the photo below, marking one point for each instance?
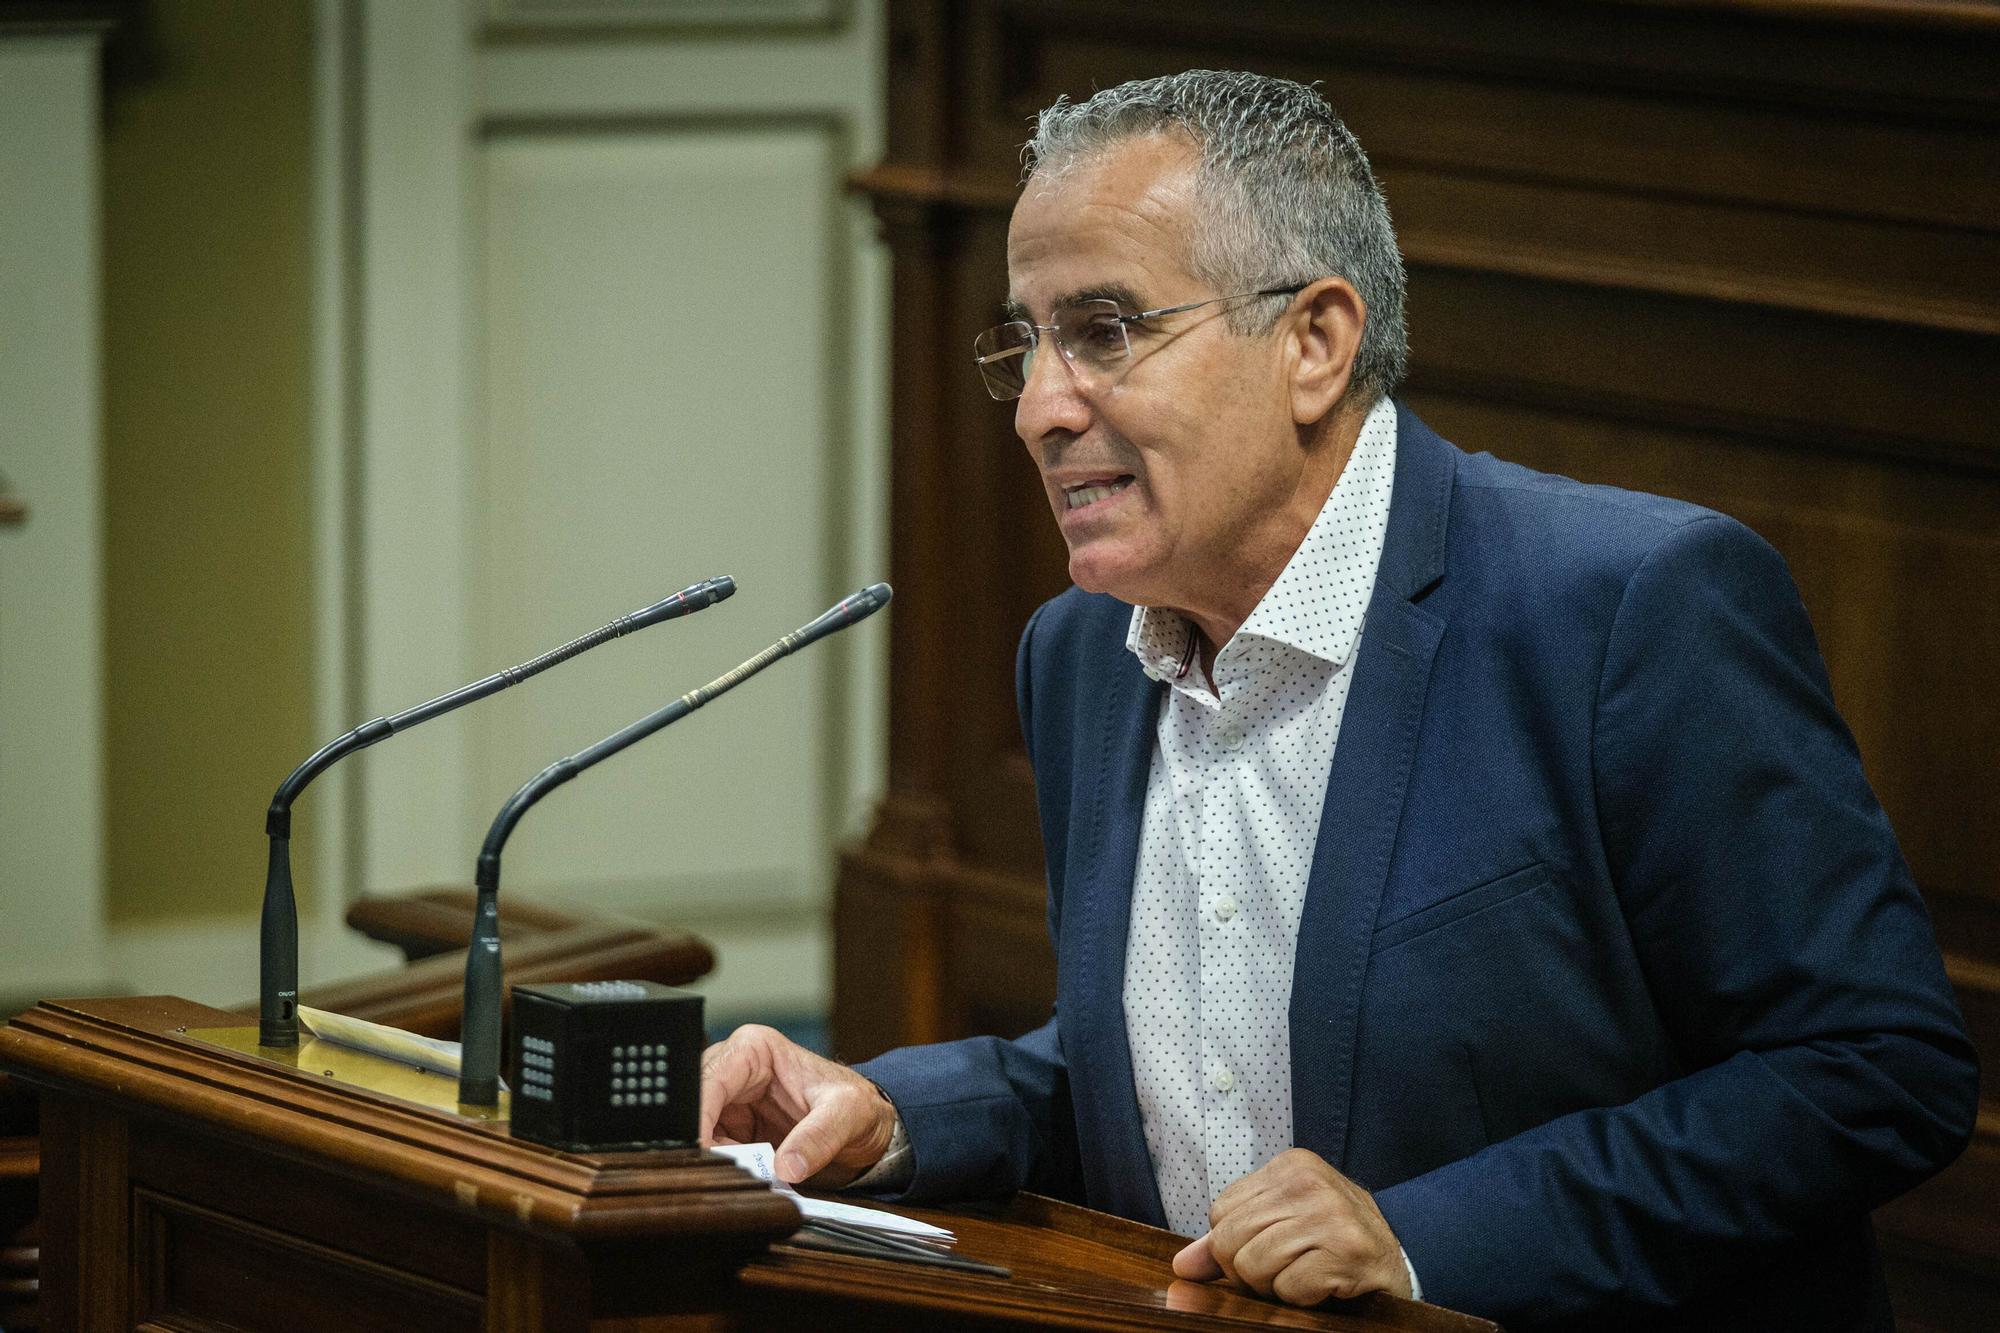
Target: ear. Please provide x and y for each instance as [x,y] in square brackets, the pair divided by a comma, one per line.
[1325,323]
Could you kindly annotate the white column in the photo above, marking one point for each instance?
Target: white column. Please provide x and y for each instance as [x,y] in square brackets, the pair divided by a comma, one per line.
[51,613]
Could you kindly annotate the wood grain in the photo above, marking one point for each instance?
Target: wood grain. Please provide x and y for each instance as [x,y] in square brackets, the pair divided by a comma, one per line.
[429,924]
[1072,1268]
[191,1187]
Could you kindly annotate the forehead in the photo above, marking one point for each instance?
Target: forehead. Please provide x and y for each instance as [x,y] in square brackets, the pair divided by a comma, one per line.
[1117,221]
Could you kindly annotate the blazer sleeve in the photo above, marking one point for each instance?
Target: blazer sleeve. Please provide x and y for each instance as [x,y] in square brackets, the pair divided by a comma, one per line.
[987,1116]
[1783,942]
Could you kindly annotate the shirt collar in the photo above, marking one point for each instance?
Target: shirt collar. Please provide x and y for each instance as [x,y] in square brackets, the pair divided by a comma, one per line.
[1344,542]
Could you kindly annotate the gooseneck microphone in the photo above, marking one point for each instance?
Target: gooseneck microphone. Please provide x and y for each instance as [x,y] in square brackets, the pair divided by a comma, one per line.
[278,942]
[479,1059]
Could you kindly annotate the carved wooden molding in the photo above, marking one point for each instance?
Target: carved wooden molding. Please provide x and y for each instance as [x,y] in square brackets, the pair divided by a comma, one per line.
[135,1054]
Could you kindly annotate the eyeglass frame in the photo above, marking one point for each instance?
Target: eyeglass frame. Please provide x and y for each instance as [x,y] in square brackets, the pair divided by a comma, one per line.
[1118,317]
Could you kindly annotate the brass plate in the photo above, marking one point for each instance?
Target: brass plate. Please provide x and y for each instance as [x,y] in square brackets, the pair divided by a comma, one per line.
[344,1064]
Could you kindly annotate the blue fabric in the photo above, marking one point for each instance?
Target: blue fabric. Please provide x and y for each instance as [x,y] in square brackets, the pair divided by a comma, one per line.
[1612,982]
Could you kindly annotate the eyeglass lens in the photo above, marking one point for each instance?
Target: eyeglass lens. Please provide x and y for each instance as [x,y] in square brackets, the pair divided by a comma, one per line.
[1091,335]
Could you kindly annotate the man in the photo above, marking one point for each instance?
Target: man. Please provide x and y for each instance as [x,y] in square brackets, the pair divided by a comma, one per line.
[1460,880]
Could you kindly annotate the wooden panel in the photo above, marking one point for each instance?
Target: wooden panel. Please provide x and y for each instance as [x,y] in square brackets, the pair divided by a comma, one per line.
[1002,970]
[1744,252]
[258,1189]
[196,1263]
[86,1212]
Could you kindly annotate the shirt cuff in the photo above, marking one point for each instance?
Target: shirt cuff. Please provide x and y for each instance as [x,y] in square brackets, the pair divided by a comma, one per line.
[895,1168]
[1416,1287]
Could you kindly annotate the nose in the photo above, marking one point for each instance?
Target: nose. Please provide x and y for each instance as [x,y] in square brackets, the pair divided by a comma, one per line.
[1052,402]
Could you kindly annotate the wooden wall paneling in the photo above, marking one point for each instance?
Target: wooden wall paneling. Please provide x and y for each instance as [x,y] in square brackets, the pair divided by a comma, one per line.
[1789,376]
[921,238]
[1850,53]
[86,1216]
[889,923]
[1003,975]
[1011,554]
[980,516]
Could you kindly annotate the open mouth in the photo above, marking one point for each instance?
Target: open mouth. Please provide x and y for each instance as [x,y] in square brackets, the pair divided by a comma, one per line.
[1090,492]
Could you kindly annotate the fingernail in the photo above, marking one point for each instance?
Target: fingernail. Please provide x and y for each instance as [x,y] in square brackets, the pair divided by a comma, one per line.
[792,1167]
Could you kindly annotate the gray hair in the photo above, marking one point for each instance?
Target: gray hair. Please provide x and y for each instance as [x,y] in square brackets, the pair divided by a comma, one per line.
[1286,194]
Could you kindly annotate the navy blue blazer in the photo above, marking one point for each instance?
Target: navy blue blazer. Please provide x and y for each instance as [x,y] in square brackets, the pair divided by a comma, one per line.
[1611,984]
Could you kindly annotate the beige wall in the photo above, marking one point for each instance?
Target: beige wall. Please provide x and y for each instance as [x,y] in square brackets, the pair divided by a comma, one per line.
[336,237]
[207,360]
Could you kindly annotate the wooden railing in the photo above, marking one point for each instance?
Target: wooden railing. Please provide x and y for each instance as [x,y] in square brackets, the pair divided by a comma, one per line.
[432,928]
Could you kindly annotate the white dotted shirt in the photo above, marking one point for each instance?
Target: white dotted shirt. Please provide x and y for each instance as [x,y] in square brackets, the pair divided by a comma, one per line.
[1232,815]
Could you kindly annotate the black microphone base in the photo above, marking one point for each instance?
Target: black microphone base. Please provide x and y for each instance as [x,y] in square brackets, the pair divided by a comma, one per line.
[605,1066]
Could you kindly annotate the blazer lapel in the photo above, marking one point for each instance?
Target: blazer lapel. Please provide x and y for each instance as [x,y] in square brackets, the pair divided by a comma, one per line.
[1117,1166]
[1364,794]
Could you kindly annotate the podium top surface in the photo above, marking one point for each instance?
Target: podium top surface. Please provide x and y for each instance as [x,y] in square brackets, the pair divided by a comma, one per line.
[136,1053]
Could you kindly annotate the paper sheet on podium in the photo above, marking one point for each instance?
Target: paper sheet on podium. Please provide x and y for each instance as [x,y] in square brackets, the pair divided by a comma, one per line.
[759,1159]
[432,1053]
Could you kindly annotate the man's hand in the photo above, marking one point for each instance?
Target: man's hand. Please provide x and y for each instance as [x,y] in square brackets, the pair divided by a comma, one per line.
[1298,1230]
[830,1124]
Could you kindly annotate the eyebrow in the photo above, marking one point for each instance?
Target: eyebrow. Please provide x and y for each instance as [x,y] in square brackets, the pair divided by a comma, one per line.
[1110,291]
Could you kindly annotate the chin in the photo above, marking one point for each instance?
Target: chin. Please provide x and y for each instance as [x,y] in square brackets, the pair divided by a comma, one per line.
[1093,571]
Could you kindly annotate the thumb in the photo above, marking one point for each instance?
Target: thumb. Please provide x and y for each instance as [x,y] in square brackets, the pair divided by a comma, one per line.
[1196,1261]
[813,1143]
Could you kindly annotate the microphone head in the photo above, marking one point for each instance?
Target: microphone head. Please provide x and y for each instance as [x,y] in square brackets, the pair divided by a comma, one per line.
[875,596]
[685,602]
[852,609]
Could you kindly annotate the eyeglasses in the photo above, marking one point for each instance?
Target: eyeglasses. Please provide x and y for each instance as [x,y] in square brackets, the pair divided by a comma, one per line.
[1090,334]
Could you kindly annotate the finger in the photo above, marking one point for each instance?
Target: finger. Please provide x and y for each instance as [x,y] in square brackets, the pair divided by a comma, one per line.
[1235,1228]
[737,1124]
[732,1071]
[1258,1261]
[1240,1192]
[1196,1262]
[1314,1277]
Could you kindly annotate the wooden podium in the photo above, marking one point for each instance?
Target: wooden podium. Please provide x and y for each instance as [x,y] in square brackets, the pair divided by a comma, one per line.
[188,1186]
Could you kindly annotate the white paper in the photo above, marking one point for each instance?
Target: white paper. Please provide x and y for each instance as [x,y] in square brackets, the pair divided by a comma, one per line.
[760,1160]
[432,1053]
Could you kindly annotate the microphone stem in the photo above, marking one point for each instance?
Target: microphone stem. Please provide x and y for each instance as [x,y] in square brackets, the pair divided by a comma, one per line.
[479,1034]
[479,1055]
[278,952]
[278,934]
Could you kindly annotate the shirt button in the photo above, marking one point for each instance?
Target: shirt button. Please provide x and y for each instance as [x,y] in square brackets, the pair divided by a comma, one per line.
[1225,907]
[1232,739]
[1222,1081]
